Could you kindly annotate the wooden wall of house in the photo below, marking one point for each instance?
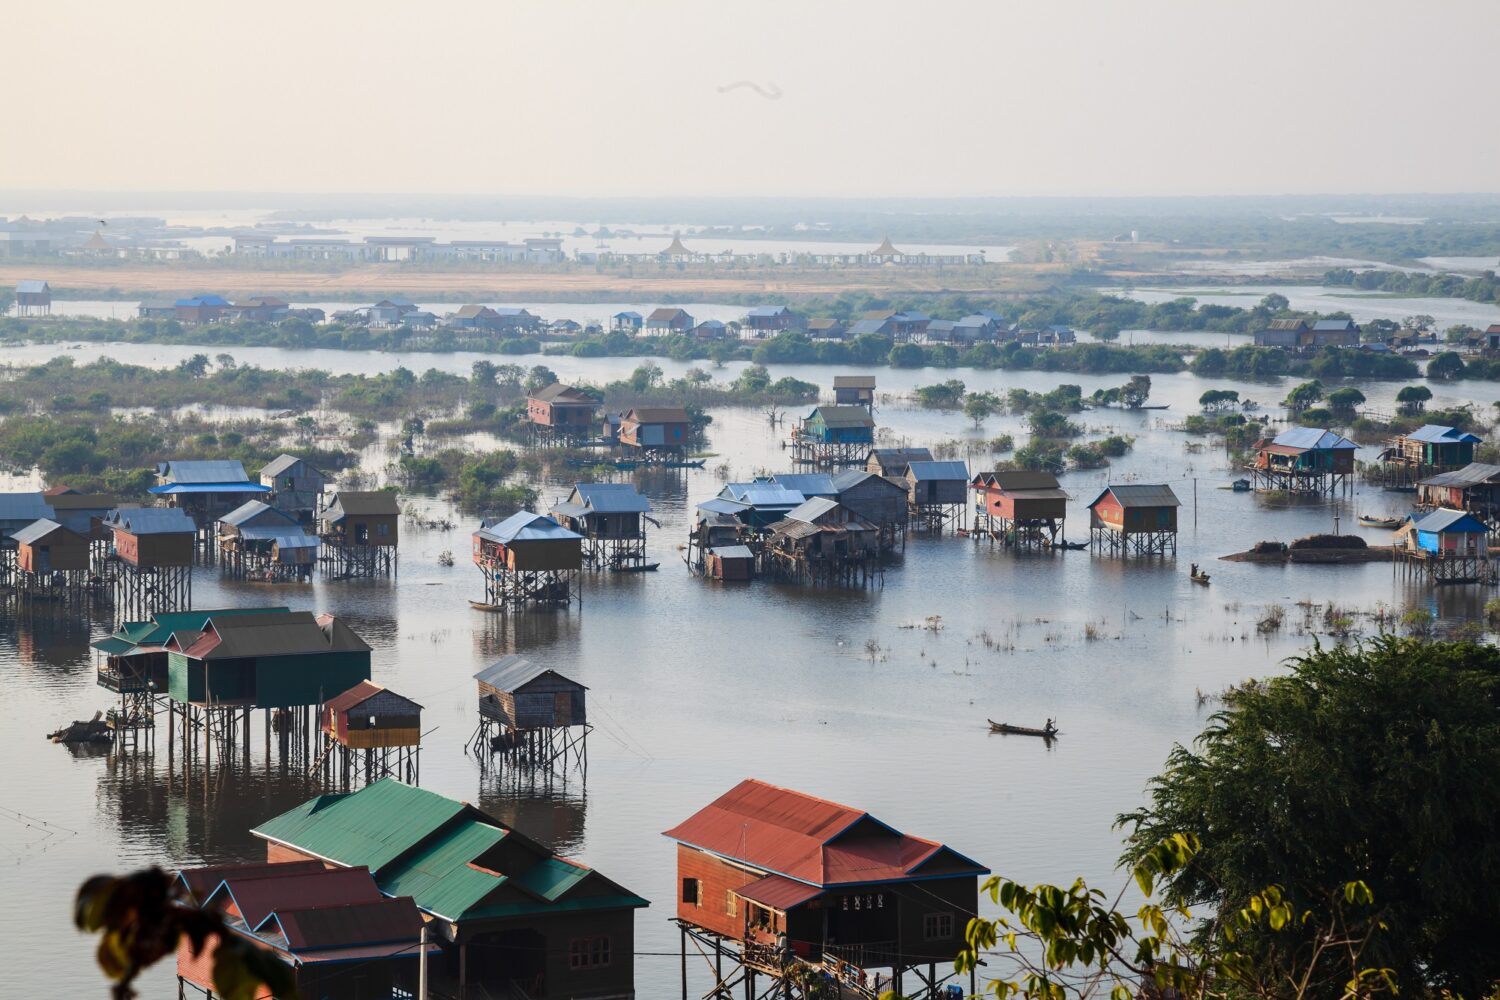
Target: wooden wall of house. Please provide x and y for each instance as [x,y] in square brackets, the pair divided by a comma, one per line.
[545,554]
[878,500]
[155,551]
[61,550]
[717,880]
[347,529]
[938,490]
[1020,507]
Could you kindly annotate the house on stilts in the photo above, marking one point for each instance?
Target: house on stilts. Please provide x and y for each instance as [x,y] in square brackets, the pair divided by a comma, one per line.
[777,887]
[612,518]
[527,560]
[833,436]
[1019,507]
[531,716]
[1134,519]
[360,534]
[1304,460]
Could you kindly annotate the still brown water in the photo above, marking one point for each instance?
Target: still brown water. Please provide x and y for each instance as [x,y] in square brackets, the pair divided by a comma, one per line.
[695,685]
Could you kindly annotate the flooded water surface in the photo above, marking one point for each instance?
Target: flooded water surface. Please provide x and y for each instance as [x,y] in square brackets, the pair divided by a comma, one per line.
[874,697]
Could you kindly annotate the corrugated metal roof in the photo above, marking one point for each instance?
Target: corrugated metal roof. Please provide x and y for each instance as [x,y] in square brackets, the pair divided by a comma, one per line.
[733,552]
[924,471]
[810,510]
[203,471]
[259,894]
[789,833]
[202,881]
[658,415]
[274,633]
[763,495]
[779,892]
[438,875]
[612,498]
[1017,480]
[862,327]
[850,478]
[26,507]
[361,693]
[551,878]
[370,827]
[807,483]
[768,311]
[524,526]
[30,286]
[1438,434]
[719,505]
[278,465]
[900,457]
[253,509]
[1335,325]
[172,489]
[510,673]
[37,530]
[1134,495]
[854,381]
[151,521]
[843,416]
[1451,522]
[1473,474]
[363,503]
[320,928]
[287,534]
[557,392]
[1312,438]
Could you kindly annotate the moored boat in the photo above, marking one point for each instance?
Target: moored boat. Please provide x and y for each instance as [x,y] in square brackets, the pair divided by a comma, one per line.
[1371,521]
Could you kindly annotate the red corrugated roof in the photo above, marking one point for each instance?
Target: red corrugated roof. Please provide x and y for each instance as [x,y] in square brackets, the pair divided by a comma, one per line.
[809,839]
[201,882]
[258,896]
[779,893]
[385,921]
[353,696]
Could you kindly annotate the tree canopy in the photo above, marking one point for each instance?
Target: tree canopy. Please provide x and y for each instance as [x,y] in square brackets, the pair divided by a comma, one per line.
[1376,761]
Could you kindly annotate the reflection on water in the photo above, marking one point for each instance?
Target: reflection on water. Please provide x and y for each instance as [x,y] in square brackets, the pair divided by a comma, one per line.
[853,695]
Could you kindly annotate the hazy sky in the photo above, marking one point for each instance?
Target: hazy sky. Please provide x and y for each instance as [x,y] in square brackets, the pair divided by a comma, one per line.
[1001,97]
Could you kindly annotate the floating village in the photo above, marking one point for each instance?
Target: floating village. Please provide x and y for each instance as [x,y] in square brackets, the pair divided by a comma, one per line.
[376,887]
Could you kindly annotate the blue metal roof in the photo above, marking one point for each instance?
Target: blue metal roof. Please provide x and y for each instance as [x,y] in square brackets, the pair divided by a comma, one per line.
[1454,522]
[1437,434]
[1326,325]
[762,494]
[853,477]
[809,484]
[627,314]
[25,507]
[524,526]
[809,511]
[251,509]
[30,286]
[719,505]
[921,471]
[202,471]
[863,326]
[151,520]
[612,498]
[40,528]
[1313,438]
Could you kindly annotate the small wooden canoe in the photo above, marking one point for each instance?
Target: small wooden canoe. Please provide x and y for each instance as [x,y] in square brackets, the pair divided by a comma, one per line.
[481,606]
[1071,546]
[1371,521]
[1006,727]
[644,568]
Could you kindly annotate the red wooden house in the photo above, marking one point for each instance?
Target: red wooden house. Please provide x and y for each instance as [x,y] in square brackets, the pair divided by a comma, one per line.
[561,408]
[664,428]
[784,875]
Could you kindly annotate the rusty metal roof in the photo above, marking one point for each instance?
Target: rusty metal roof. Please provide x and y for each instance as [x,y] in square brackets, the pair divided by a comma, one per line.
[258,894]
[200,882]
[360,693]
[854,381]
[812,840]
[1141,495]
[318,928]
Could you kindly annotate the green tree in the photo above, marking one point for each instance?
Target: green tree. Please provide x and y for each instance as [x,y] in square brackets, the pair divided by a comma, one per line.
[541,376]
[1303,396]
[482,374]
[1376,761]
[752,379]
[1218,399]
[1343,401]
[941,395]
[645,377]
[906,356]
[980,406]
[1275,302]
[1446,365]
[1413,398]
[195,366]
[1133,394]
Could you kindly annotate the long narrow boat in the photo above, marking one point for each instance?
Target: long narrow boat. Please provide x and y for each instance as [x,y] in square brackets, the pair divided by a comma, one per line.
[642,568]
[1006,727]
[481,606]
[1371,521]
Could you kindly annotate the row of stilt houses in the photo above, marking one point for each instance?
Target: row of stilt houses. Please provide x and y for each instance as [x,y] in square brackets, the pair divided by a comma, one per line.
[392,890]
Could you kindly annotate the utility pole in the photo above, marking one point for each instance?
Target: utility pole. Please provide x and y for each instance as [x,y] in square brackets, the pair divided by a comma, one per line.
[1195,503]
[422,964]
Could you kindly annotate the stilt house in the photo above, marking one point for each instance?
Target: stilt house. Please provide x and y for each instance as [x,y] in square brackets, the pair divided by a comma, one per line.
[360,530]
[809,484]
[611,519]
[44,546]
[512,917]
[1432,448]
[527,559]
[561,409]
[296,487]
[758,505]
[1135,518]
[937,483]
[665,429]
[1304,460]
[205,490]
[892,462]
[881,501]
[152,537]
[135,654]
[1450,546]
[1019,506]
[83,512]
[784,877]
[854,390]
[338,934]
[1474,488]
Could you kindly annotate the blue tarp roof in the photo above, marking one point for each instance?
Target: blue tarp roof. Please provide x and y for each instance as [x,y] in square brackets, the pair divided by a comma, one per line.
[524,526]
[612,498]
[1451,522]
[1312,438]
[171,489]
[939,470]
[1437,434]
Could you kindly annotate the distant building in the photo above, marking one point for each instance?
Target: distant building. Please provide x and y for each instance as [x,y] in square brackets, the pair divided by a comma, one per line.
[826,329]
[770,320]
[261,309]
[628,321]
[711,329]
[157,309]
[656,428]
[561,409]
[1333,333]
[1432,448]
[201,309]
[854,390]
[1303,460]
[33,298]
[668,320]
[1284,333]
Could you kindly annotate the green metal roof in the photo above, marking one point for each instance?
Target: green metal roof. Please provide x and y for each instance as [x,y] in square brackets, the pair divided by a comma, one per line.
[159,628]
[497,911]
[551,878]
[113,646]
[438,876]
[370,827]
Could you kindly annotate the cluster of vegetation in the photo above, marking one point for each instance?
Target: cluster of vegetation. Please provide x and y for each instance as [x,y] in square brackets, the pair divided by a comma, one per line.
[1484,288]
[479,482]
[1449,366]
[1250,362]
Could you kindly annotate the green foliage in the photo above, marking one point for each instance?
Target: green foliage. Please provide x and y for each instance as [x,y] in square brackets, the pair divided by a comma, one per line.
[1413,398]
[1484,288]
[1218,399]
[980,406]
[1375,761]
[1446,365]
[1344,400]
[941,395]
[1050,424]
[140,919]
[1303,396]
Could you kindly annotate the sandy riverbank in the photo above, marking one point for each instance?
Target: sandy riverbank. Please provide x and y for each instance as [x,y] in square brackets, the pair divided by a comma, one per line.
[365,281]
